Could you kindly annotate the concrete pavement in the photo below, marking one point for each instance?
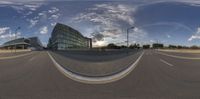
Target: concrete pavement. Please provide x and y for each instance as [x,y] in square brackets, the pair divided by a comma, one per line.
[34,76]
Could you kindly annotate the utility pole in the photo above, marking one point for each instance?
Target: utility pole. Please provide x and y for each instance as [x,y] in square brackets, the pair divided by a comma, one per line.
[16,36]
[128,35]
[127,31]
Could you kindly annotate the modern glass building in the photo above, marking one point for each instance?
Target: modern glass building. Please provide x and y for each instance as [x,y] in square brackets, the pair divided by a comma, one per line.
[64,37]
[23,43]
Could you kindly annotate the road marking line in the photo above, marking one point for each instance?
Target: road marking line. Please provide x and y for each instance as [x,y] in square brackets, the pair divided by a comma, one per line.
[180,57]
[10,57]
[166,62]
[95,80]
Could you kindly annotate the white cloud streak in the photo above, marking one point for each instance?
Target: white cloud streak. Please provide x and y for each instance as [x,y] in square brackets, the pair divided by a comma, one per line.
[44,30]
[51,15]
[4,30]
[108,19]
[53,10]
[10,35]
[196,35]
[6,34]
[33,22]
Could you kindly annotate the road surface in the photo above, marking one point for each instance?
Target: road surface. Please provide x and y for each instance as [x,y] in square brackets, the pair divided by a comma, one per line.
[156,76]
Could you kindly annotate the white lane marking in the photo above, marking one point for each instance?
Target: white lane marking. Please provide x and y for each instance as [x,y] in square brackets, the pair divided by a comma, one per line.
[95,80]
[180,57]
[166,62]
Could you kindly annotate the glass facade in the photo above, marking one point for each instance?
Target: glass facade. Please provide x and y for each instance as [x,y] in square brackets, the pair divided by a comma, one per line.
[64,37]
[23,43]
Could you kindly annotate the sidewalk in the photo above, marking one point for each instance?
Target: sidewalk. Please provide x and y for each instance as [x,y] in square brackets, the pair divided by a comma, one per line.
[7,53]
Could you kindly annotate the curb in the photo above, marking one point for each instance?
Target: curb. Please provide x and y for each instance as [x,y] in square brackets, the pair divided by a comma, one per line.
[95,80]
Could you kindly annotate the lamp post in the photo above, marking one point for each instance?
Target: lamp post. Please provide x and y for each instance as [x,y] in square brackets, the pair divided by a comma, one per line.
[128,35]
[16,36]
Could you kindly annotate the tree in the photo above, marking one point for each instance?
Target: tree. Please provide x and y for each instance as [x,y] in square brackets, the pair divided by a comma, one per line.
[194,47]
[134,46]
[172,46]
[123,46]
[112,46]
[179,47]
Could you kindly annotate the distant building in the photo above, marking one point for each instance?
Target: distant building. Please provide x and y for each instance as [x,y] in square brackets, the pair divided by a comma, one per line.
[35,43]
[64,37]
[146,46]
[157,45]
[23,43]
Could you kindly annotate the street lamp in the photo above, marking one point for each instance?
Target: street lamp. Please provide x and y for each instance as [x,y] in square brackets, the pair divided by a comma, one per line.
[16,36]
[128,35]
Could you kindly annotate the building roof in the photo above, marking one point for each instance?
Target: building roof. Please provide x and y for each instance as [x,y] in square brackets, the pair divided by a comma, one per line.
[31,42]
[19,41]
[58,25]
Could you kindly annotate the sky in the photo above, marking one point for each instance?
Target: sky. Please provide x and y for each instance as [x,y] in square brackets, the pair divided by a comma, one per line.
[155,21]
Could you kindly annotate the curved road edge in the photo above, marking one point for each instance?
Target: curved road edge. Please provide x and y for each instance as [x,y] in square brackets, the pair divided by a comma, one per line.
[95,80]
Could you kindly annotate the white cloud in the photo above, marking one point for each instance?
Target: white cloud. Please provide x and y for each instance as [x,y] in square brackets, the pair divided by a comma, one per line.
[22,8]
[7,34]
[4,30]
[54,16]
[44,16]
[32,7]
[99,43]
[108,18]
[139,35]
[41,13]
[10,35]
[29,13]
[33,22]
[53,10]
[106,13]
[196,35]
[44,30]
[190,2]
[53,24]
[152,41]
[6,2]
[168,36]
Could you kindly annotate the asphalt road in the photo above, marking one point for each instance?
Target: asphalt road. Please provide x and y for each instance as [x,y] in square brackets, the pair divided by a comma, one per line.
[96,65]
[156,77]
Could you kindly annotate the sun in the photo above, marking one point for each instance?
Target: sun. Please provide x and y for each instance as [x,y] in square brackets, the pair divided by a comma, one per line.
[100,43]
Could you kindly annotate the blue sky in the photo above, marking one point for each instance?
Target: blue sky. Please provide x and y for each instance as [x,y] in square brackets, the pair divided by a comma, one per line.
[164,21]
